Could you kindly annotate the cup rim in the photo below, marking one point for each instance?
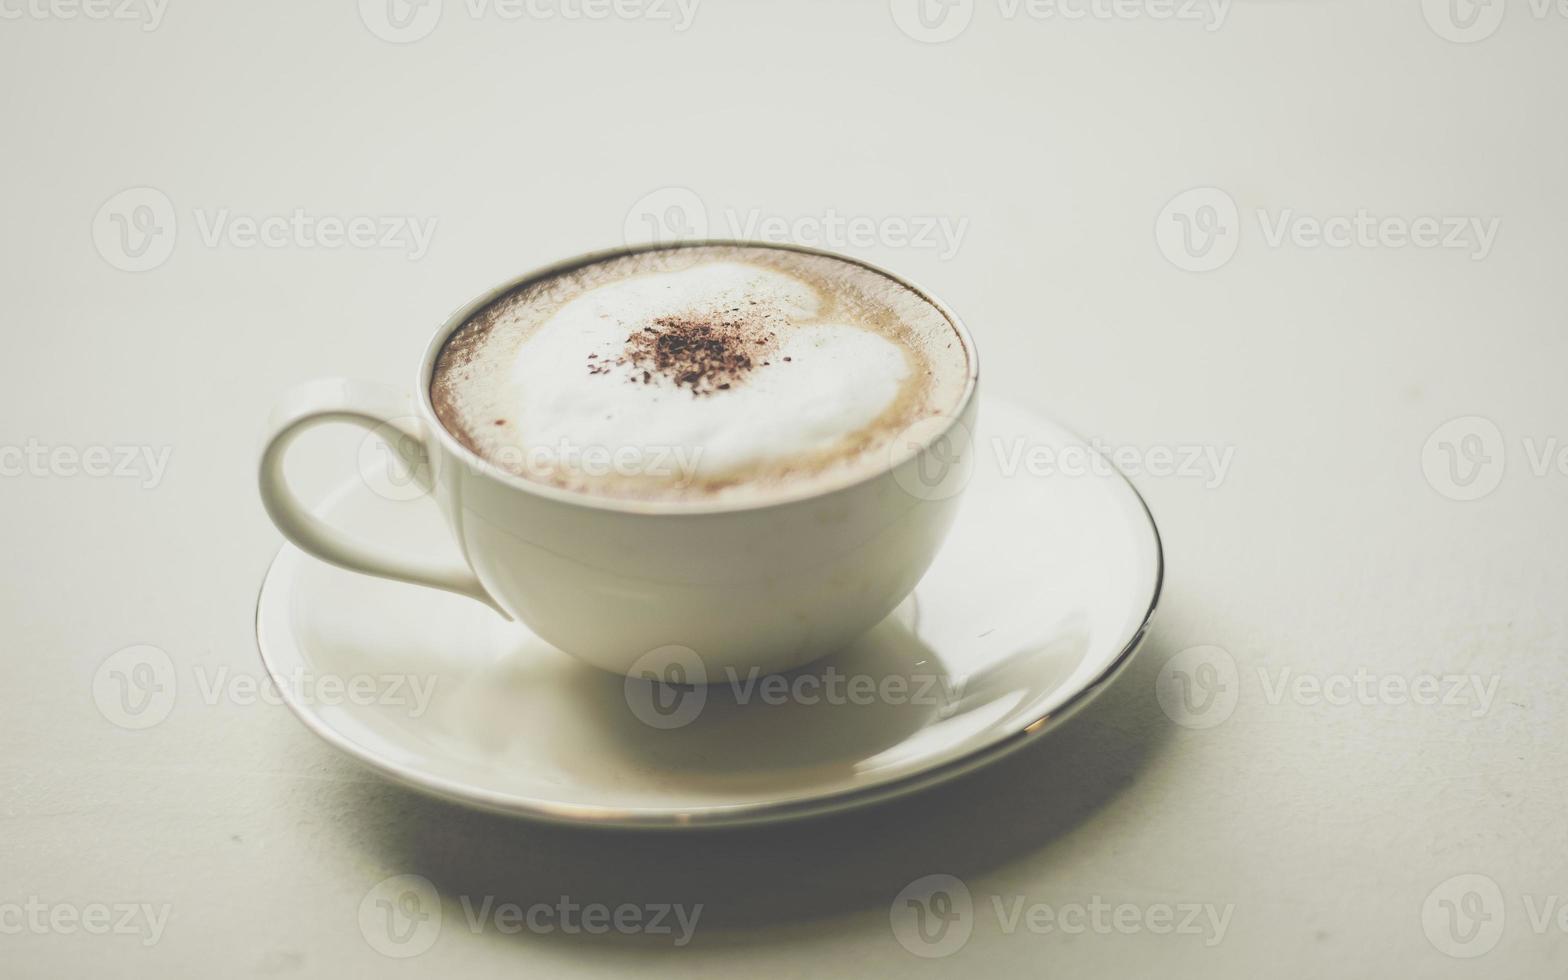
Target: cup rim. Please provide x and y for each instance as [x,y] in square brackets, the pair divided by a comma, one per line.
[591,501]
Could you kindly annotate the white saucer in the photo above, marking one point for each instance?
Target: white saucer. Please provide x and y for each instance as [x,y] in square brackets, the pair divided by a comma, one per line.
[1039,597]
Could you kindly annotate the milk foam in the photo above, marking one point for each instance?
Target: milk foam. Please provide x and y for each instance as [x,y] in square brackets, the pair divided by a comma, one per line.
[697,373]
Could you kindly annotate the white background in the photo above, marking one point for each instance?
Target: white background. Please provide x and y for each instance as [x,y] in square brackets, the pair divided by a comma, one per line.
[1332,545]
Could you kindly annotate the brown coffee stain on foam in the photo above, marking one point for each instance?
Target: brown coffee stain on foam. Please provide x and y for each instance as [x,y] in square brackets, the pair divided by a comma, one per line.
[841,299]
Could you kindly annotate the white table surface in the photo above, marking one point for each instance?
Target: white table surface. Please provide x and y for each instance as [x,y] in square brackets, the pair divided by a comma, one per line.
[1331,825]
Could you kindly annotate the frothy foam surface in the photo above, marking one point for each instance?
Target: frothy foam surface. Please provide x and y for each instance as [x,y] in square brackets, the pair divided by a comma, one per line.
[699,373]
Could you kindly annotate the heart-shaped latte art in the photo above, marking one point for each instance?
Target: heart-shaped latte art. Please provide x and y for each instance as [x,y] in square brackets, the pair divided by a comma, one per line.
[698,374]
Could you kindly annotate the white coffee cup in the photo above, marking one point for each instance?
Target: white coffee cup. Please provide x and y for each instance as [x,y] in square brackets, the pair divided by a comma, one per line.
[767,586]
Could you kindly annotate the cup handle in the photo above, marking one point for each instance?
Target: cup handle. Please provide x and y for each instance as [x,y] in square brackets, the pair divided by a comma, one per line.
[373,407]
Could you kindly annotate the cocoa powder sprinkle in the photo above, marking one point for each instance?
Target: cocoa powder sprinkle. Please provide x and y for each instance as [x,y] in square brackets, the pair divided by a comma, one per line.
[703,354]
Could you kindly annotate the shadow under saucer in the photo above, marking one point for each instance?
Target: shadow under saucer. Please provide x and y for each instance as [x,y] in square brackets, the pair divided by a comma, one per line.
[763,884]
